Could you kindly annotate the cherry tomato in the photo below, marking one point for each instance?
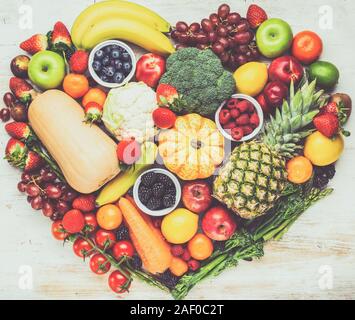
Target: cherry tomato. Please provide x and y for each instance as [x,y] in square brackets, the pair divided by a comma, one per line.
[118,282]
[99,264]
[82,248]
[73,221]
[307,47]
[90,222]
[109,217]
[105,239]
[58,231]
[123,248]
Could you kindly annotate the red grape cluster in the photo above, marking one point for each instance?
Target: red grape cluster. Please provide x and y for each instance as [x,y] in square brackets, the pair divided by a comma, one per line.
[226,33]
[45,192]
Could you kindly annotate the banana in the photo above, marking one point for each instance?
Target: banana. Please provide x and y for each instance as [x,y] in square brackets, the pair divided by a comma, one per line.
[128,30]
[116,9]
[119,186]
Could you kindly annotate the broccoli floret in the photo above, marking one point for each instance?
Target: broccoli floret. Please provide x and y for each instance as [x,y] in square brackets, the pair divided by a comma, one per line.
[200,79]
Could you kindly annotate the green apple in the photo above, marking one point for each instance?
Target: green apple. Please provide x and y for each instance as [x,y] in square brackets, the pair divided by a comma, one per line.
[46,70]
[274,37]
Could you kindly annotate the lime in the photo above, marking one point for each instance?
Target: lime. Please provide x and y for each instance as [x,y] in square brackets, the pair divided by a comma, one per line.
[326,73]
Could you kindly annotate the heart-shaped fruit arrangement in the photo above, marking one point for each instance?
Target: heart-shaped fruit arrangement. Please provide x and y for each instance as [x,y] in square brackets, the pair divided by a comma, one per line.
[189,170]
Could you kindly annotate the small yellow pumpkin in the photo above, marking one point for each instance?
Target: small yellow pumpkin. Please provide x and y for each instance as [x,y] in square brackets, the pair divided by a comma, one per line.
[193,148]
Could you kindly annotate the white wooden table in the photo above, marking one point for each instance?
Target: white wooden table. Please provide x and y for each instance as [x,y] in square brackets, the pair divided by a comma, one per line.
[315,260]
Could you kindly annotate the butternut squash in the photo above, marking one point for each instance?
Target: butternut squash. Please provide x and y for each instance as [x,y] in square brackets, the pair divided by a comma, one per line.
[85,154]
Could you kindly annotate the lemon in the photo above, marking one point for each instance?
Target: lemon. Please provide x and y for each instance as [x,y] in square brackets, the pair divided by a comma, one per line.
[322,151]
[251,78]
[179,226]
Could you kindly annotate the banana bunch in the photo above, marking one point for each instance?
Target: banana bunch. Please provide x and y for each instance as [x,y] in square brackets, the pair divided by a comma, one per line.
[117,19]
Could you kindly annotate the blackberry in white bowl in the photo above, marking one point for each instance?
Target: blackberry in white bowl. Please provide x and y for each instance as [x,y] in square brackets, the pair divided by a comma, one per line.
[157,192]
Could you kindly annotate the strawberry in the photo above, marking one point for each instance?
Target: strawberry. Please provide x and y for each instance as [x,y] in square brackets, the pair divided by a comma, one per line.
[84,203]
[33,161]
[331,107]
[224,116]
[237,133]
[235,113]
[243,106]
[128,151]
[79,62]
[254,120]
[166,95]
[256,16]
[339,110]
[36,43]
[19,130]
[16,152]
[164,118]
[60,35]
[22,90]
[242,120]
[327,124]
[93,112]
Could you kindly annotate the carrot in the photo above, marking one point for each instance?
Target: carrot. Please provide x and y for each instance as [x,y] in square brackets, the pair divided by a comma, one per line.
[151,248]
[149,221]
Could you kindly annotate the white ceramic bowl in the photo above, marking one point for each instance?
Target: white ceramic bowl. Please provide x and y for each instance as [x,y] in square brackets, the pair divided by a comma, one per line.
[258,109]
[94,74]
[158,213]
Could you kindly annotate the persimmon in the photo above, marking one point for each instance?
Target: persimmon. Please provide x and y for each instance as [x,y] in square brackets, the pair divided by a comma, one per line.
[178,267]
[200,247]
[76,85]
[94,95]
[299,170]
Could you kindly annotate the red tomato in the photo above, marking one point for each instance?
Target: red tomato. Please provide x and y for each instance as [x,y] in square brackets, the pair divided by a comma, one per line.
[307,47]
[118,282]
[128,151]
[99,264]
[73,221]
[123,248]
[105,239]
[82,248]
[58,231]
[150,68]
[90,222]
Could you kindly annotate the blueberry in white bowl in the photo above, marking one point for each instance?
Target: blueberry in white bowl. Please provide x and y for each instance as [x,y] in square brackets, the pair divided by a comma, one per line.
[112,64]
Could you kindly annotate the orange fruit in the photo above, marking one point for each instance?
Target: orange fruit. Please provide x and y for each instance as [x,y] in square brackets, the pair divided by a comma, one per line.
[109,217]
[178,267]
[76,85]
[299,170]
[307,47]
[200,247]
[94,95]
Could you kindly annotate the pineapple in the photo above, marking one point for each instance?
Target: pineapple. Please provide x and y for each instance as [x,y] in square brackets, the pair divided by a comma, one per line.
[255,174]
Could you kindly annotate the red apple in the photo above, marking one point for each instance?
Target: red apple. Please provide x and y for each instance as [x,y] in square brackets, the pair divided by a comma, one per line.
[197,196]
[150,68]
[264,104]
[275,92]
[285,69]
[218,224]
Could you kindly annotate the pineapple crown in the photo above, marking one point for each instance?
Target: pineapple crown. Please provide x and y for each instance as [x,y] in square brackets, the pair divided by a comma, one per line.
[284,131]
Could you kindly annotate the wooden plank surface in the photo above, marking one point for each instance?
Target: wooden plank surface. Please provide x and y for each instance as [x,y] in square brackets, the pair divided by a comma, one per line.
[315,260]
